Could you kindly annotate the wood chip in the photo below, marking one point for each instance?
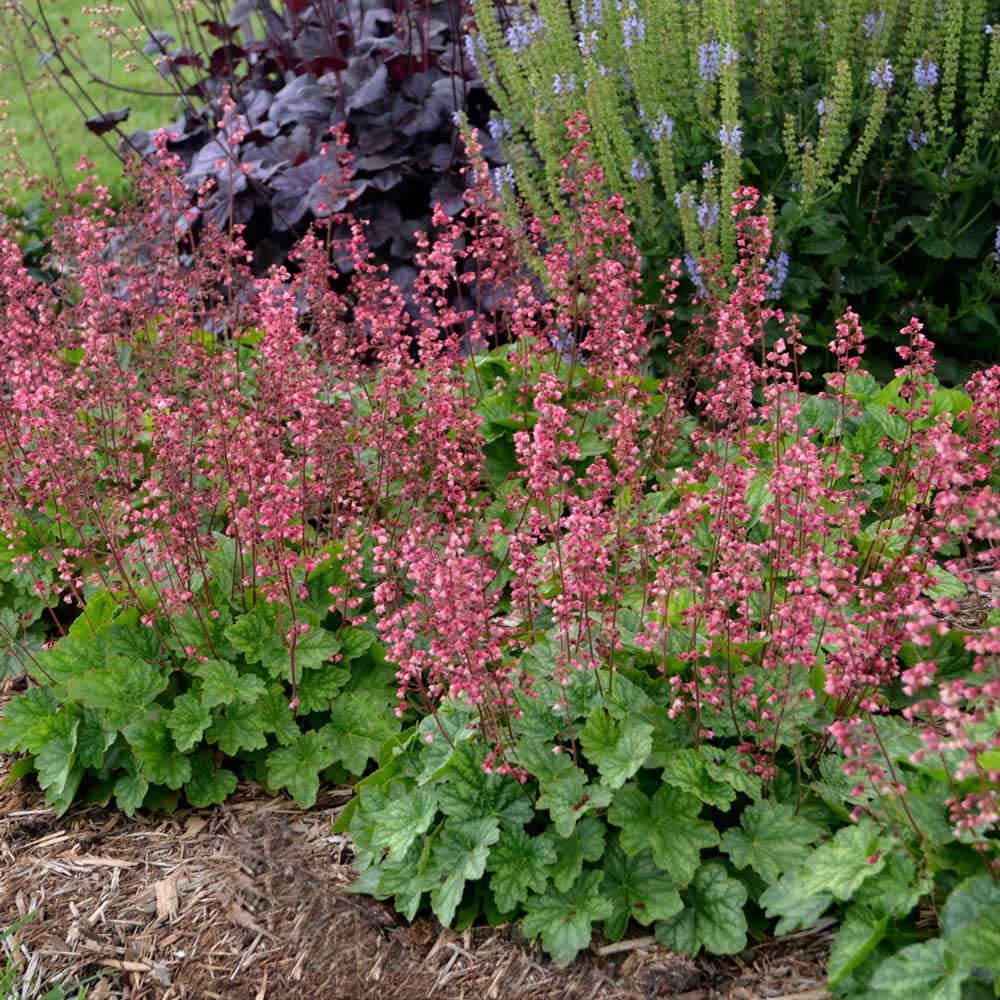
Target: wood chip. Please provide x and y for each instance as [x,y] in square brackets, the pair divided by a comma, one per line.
[166,898]
[630,945]
[96,861]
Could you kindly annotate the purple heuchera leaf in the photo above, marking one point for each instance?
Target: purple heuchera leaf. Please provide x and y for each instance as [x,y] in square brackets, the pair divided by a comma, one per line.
[303,99]
[372,90]
[99,124]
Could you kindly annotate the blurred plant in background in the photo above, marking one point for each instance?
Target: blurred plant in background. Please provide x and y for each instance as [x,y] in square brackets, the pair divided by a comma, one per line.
[872,128]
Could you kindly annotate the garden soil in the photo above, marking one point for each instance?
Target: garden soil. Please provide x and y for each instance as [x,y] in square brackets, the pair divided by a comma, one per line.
[250,901]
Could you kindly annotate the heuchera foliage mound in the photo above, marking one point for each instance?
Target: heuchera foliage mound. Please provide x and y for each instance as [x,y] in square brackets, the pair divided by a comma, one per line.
[703,651]
[255,134]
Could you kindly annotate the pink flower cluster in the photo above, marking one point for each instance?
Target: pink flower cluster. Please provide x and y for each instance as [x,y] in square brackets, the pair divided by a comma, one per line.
[157,395]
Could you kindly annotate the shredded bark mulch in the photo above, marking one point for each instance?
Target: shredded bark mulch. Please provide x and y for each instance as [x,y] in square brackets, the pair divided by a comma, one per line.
[249,901]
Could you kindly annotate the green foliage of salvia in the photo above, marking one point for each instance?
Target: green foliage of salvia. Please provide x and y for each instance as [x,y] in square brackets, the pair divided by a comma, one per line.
[871,126]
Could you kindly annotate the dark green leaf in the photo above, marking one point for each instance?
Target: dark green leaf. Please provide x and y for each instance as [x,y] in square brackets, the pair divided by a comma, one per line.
[400,815]
[966,902]
[56,759]
[24,717]
[188,721]
[222,684]
[977,944]
[520,862]
[685,769]
[918,971]
[467,792]
[208,786]
[318,688]
[585,843]
[359,725]
[238,728]
[297,768]
[123,688]
[130,792]
[93,738]
[459,855]
[667,824]
[564,790]
[860,932]
[636,888]
[157,754]
[276,716]
[564,919]
[771,839]
[616,747]
[834,870]
[712,917]
[257,637]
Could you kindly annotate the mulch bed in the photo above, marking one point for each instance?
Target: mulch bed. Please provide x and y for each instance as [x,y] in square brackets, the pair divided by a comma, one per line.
[249,901]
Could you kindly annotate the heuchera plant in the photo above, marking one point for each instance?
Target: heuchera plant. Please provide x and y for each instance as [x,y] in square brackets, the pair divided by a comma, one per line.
[259,113]
[705,651]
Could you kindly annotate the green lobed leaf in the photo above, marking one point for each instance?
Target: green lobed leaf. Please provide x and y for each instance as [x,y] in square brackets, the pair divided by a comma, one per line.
[359,725]
[318,688]
[466,792]
[130,792]
[399,815]
[314,650]
[406,879]
[519,863]
[207,636]
[585,843]
[636,888]
[93,738]
[459,855]
[96,615]
[439,735]
[771,839]
[25,719]
[896,889]
[55,761]
[965,903]
[667,824]
[160,761]
[123,688]
[71,658]
[257,637]
[860,932]
[616,747]
[725,765]
[188,720]
[239,727]
[208,785]
[918,971]
[564,790]
[686,769]
[834,870]
[355,642]
[276,716]
[977,944]
[564,919]
[222,684]
[297,768]
[712,917]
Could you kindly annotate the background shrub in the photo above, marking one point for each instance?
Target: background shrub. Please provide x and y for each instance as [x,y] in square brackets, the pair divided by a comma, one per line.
[871,128]
[264,97]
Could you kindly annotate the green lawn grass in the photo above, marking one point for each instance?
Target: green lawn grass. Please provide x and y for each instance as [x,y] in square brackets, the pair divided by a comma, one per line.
[45,132]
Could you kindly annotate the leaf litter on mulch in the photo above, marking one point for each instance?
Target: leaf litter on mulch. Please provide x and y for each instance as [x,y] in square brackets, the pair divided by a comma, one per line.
[249,901]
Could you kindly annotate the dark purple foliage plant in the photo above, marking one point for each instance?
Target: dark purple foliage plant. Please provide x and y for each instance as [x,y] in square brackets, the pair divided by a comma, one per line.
[266,108]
